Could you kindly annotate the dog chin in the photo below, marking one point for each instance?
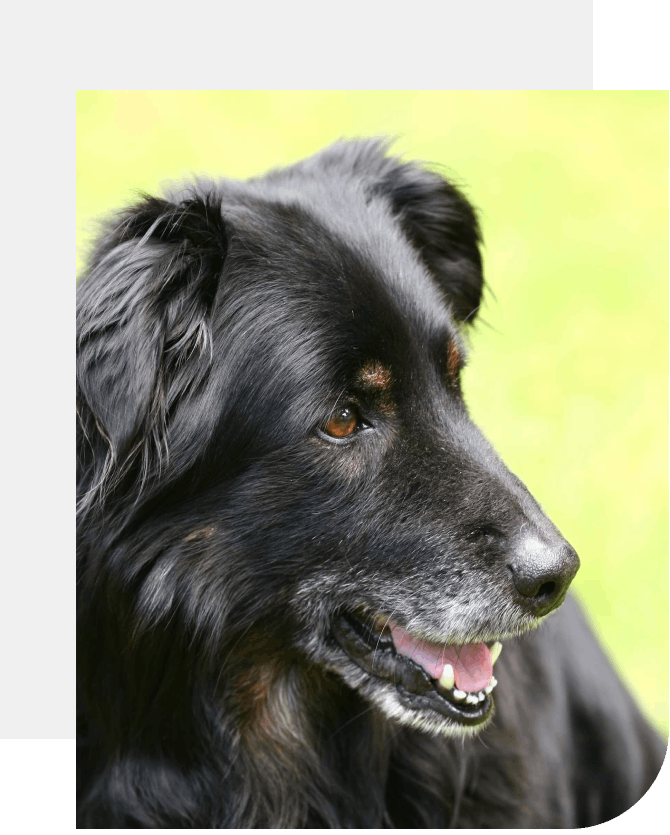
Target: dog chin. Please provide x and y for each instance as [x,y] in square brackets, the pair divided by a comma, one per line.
[386,698]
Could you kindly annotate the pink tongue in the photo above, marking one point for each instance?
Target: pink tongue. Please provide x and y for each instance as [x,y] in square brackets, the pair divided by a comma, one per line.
[472,664]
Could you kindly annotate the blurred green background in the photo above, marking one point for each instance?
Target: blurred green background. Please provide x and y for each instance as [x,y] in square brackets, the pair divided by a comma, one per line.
[569,370]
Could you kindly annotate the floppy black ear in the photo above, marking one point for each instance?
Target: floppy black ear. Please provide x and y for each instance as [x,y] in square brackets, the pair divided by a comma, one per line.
[443,226]
[436,217]
[143,312]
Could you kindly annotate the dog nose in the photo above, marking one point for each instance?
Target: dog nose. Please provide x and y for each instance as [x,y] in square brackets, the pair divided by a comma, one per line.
[542,572]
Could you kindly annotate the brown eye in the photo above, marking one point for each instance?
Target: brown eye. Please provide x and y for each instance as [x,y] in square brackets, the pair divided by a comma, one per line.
[343,423]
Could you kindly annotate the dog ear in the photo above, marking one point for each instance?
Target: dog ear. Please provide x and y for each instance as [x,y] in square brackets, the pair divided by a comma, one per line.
[438,220]
[143,313]
[443,227]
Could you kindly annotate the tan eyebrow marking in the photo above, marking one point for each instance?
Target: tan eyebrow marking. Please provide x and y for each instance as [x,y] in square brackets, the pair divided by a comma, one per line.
[375,375]
[453,361]
[377,379]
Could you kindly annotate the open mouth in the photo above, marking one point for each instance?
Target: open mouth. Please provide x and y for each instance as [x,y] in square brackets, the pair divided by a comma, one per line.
[455,680]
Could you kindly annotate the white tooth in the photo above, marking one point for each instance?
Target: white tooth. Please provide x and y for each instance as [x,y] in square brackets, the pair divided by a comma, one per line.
[459,695]
[495,651]
[471,700]
[491,684]
[482,696]
[447,678]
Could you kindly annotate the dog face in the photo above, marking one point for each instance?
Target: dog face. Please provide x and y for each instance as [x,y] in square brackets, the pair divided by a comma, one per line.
[275,433]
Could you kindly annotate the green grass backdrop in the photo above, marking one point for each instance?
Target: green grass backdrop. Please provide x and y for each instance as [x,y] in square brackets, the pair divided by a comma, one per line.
[568,377]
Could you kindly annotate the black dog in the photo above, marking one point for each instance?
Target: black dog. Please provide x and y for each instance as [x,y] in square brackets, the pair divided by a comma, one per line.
[299,558]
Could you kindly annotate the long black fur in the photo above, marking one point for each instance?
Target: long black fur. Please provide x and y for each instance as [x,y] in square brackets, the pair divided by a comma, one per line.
[221,533]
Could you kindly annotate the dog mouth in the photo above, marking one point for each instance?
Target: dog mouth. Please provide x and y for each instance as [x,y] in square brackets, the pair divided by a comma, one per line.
[453,680]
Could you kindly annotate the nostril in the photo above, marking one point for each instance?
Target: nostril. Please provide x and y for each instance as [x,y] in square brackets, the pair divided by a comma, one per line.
[539,593]
[541,574]
[530,583]
[546,590]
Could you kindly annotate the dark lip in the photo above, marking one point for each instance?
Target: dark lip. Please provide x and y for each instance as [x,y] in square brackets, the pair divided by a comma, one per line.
[361,620]
[376,655]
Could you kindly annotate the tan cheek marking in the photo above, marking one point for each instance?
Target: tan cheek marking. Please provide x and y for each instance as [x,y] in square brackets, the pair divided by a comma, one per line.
[254,688]
[267,699]
[453,359]
[201,533]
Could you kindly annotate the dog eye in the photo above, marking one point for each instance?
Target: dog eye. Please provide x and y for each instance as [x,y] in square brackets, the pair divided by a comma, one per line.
[343,423]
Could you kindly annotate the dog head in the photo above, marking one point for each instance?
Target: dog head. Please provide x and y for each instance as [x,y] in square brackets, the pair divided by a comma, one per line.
[275,442]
